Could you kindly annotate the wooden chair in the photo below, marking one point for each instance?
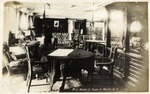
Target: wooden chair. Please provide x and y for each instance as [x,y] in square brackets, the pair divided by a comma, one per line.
[75,44]
[107,61]
[14,66]
[36,66]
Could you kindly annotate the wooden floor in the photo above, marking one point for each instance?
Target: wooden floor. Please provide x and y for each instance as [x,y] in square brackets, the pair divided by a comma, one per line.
[100,84]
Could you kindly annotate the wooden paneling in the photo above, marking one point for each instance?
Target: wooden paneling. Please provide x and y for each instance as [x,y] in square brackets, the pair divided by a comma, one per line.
[129,67]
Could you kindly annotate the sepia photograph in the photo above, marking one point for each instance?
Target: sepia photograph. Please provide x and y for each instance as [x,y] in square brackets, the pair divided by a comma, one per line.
[74,46]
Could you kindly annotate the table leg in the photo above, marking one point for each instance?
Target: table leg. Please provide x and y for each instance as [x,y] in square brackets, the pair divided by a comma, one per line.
[81,77]
[63,74]
[51,73]
[63,83]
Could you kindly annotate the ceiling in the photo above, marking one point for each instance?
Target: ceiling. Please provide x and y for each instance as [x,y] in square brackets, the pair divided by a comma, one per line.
[62,9]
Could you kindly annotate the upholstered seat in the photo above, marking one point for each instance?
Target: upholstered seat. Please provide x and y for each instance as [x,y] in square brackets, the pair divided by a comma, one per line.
[18,63]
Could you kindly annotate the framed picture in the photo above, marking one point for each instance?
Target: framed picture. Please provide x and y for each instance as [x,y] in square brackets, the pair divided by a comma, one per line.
[56,23]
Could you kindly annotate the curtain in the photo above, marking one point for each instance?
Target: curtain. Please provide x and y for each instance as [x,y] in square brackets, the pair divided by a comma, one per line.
[30,22]
[70,28]
[23,21]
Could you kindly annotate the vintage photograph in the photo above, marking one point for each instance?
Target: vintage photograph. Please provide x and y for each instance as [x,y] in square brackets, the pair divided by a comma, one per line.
[69,46]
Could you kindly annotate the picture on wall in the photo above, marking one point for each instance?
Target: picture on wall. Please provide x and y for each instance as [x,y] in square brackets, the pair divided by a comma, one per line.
[56,23]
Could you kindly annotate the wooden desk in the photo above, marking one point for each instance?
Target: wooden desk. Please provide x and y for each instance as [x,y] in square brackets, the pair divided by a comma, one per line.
[71,59]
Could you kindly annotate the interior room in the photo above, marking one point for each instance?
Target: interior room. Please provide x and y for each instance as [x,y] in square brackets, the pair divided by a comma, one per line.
[75,46]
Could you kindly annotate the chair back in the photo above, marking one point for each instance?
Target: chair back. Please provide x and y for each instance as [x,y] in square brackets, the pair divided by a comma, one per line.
[6,59]
[6,51]
[101,49]
[113,53]
[34,50]
[33,57]
[105,51]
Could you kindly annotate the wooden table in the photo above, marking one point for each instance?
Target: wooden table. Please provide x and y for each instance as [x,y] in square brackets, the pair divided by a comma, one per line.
[96,41]
[71,59]
[91,44]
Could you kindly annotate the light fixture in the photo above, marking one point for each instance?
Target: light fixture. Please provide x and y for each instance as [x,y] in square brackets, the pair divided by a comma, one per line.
[136,26]
[44,13]
[44,9]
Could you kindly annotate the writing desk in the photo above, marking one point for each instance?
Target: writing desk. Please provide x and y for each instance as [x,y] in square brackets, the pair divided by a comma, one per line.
[73,59]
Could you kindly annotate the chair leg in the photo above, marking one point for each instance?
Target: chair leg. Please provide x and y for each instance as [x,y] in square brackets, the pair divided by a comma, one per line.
[27,79]
[111,75]
[101,68]
[88,75]
[29,84]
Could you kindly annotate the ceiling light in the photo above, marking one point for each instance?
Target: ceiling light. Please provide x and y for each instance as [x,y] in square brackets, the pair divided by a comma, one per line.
[136,26]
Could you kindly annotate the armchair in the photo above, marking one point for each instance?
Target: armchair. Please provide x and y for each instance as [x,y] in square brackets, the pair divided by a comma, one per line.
[107,61]
[13,65]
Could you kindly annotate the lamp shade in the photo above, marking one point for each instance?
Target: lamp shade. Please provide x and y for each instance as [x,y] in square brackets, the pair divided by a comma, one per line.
[136,26]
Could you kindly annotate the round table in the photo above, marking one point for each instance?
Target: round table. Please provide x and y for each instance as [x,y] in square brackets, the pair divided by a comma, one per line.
[76,59]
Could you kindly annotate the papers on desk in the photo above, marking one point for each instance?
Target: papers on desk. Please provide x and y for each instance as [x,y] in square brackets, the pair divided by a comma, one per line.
[61,52]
